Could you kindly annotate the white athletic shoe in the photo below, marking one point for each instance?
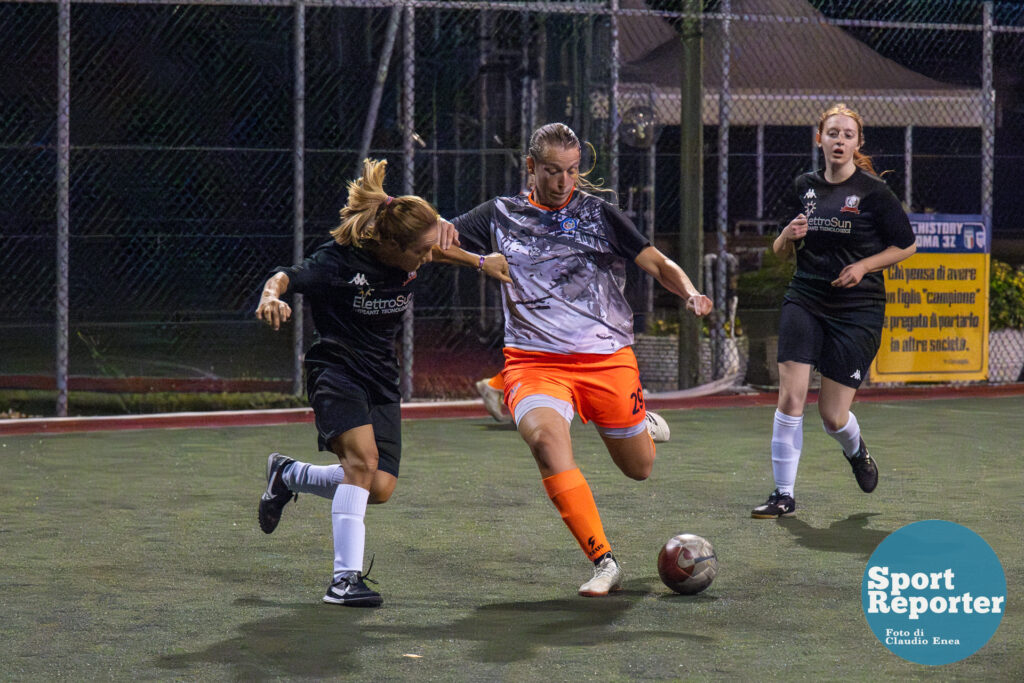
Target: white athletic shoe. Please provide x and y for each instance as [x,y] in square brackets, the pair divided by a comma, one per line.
[607,577]
[657,427]
[494,400]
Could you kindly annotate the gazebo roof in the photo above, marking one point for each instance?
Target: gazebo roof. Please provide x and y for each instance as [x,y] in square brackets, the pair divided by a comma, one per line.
[784,73]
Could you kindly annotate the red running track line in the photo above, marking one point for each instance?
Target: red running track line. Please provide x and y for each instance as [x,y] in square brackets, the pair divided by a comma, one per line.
[453,409]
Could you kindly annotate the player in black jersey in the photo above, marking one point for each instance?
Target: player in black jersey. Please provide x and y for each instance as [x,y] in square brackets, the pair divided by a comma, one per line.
[849,226]
[358,286]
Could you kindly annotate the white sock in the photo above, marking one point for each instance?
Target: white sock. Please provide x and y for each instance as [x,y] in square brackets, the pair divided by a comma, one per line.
[320,480]
[347,513]
[787,442]
[848,437]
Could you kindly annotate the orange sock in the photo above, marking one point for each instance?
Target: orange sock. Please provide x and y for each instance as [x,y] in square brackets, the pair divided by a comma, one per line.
[572,497]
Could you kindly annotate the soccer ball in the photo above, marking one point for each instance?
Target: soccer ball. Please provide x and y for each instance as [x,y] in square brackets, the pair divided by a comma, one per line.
[687,564]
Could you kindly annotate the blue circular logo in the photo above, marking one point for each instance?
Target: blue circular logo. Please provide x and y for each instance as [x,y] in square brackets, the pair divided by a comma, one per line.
[569,224]
[934,592]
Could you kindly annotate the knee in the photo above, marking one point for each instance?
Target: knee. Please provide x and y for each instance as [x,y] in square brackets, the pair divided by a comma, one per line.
[833,419]
[791,404]
[833,423]
[381,492]
[638,471]
[634,456]
[377,497]
[359,468]
[544,442]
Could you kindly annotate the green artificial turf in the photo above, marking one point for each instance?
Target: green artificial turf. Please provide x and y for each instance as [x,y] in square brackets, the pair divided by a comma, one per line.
[136,555]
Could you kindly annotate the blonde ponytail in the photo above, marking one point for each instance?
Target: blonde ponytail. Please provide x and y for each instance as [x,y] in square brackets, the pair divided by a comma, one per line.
[372,217]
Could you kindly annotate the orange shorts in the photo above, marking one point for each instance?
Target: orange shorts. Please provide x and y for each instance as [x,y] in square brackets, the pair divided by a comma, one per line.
[603,388]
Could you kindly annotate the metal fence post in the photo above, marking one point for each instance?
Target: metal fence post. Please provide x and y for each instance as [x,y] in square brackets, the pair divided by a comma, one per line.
[613,104]
[298,201]
[63,210]
[394,19]
[408,177]
[988,117]
[724,109]
[908,167]
[691,195]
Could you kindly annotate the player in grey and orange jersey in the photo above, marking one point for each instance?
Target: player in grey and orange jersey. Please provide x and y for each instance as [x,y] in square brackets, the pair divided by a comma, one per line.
[569,329]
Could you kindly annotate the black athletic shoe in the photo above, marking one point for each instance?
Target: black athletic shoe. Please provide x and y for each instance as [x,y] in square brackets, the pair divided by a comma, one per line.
[777,505]
[277,495]
[864,469]
[352,591]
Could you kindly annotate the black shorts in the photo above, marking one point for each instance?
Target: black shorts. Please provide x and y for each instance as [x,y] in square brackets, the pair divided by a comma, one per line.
[840,346]
[341,403]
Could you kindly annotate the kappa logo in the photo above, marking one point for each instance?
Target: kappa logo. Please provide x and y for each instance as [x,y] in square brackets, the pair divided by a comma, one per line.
[810,194]
[852,205]
[856,374]
[359,280]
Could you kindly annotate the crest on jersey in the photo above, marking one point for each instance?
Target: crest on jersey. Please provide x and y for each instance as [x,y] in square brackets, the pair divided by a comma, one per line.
[568,225]
[810,194]
[851,205]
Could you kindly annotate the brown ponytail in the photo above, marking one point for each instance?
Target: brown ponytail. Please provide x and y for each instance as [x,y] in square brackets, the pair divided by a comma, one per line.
[863,161]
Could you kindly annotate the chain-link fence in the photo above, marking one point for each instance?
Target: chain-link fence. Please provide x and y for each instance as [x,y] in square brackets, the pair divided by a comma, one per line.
[158,159]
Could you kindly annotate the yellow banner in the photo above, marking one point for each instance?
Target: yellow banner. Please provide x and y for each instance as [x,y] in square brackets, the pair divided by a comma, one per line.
[936,319]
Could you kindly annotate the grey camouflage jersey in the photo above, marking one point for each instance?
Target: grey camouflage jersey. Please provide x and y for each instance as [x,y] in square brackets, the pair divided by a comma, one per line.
[568,269]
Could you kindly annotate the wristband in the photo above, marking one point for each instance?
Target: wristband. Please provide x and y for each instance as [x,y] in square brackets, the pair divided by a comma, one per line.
[480,264]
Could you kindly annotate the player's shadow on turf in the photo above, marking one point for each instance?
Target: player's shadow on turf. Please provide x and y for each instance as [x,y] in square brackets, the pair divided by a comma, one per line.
[514,631]
[849,535]
[314,640]
[300,640]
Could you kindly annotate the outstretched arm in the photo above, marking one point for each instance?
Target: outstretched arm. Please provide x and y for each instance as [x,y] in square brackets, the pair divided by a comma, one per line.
[447,251]
[493,264]
[671,276]
[271,309]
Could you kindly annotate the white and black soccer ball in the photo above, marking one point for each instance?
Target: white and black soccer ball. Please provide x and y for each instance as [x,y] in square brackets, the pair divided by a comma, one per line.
[687,564]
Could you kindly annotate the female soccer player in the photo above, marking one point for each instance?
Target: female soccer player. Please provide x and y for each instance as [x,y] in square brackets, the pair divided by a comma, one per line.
[849,226]
[568,329]
[358,287]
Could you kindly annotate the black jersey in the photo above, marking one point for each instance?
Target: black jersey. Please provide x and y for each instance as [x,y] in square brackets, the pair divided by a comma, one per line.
[846,222]
[357,304]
